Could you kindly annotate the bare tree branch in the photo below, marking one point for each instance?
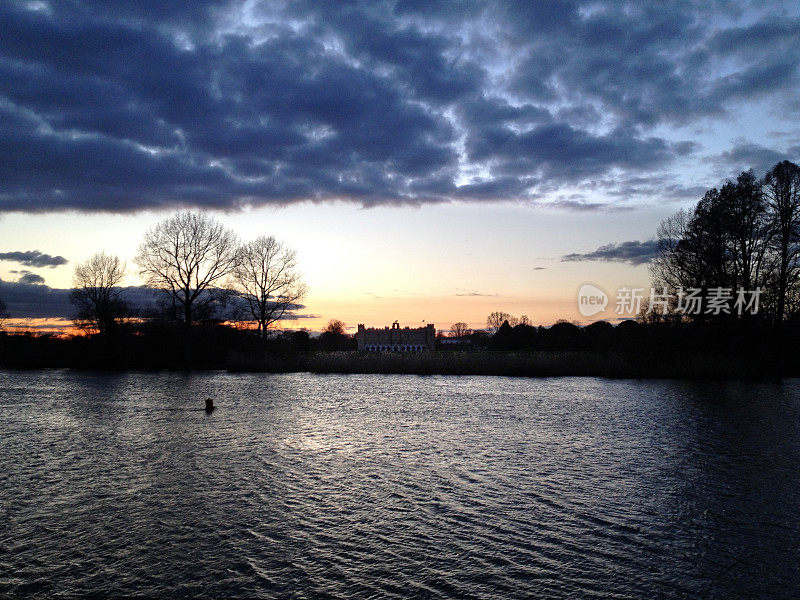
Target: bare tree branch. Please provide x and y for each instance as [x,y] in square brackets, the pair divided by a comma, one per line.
[267,281]
[188,255]
[95,293]
[496,319]
[459,329]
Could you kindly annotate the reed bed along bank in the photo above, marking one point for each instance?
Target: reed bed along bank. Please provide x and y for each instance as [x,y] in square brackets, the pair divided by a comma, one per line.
[515,364]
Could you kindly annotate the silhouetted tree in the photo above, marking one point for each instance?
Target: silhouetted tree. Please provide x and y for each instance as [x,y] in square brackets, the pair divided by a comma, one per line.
[782,188]
[708,234]
[518,337]
[300,340]
[748,229]
[629,335]
[564,336]
[267,281]
[3,313]
[188,255]
[672,267]
[96,295]
[496,319]
[600,335]
[524,336]
[460,329]
[739,236]
[334,336]
[335,327]
[480,339]
[502,338]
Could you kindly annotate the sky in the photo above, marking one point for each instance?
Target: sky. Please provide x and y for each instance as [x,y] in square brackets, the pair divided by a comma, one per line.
[429,162]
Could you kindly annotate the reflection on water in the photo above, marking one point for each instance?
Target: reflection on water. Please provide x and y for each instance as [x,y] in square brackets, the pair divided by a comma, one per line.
[348,486]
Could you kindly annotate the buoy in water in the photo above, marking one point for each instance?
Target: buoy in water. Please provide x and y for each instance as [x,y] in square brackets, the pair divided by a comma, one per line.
[209,405]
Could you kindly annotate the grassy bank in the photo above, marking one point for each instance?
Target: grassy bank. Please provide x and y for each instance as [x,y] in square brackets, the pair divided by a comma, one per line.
[223,348]
[517,364]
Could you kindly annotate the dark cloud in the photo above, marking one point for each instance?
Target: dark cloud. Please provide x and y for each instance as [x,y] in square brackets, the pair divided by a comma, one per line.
[635,253]
[577,205]
[298,316]
[29,277]
[648,186]
[564,153]
[34,258]
[745,156]
[146,104]
[29,298]
[663,63]
[32,278]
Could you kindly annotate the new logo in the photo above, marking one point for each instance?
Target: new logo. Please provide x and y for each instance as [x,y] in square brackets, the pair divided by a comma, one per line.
[591,300]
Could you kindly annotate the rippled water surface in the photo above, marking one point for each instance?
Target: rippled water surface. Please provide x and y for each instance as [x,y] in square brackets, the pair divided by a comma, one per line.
[395,486]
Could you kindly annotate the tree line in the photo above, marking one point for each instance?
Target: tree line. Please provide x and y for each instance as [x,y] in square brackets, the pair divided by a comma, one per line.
[202,272]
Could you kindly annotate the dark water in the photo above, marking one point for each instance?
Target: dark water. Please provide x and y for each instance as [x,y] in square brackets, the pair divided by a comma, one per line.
[396,486]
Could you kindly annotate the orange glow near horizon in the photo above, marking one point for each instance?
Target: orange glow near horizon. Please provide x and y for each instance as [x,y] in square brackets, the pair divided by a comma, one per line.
[57,327]
[376,312]
[441,311]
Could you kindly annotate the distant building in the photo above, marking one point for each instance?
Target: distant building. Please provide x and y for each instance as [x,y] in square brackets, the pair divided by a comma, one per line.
[395,339]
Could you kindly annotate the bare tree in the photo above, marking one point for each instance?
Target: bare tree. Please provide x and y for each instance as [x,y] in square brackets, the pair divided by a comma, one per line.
[749,229]
[268,281]
[671,267]
[782,187]
[188,255]
[496,319]
[96,295]
[722,241]
[525,320]
[460,329]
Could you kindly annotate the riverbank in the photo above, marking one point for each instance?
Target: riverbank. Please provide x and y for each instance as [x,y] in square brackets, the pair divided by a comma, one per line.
[222,349]
[517,364]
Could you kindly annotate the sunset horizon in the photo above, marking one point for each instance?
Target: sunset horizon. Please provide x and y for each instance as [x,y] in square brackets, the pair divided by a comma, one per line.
[378,285]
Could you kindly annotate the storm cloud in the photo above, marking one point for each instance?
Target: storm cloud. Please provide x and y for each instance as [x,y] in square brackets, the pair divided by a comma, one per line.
[30,298]
[634,253]
[34,258]
[747,156]
[145,105]
[29,277]
[33,300]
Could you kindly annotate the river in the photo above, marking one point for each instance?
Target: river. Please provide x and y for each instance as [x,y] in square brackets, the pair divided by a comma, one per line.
[302,485]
